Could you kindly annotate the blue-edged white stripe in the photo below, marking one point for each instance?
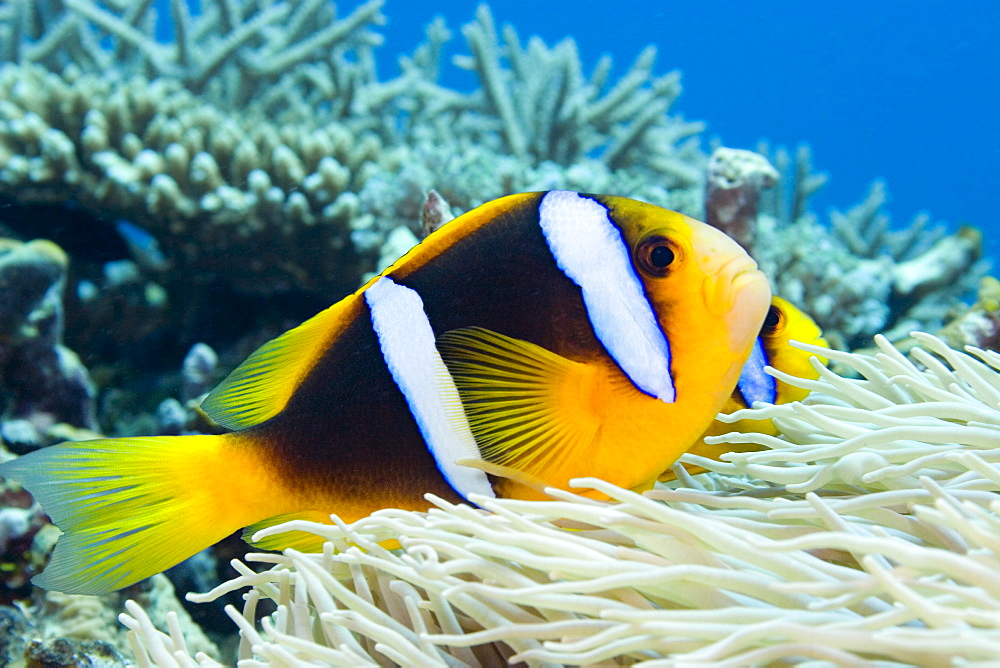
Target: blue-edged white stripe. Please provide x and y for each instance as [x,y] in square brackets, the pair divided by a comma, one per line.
[755,384]
[589,249]
[407,342]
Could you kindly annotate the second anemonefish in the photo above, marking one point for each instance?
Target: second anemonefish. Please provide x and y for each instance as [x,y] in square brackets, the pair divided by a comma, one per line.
[784,323]
[541,337]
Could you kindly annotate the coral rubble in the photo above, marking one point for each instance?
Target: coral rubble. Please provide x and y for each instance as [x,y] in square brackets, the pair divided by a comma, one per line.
[43,382]
[980,325]
[62,630]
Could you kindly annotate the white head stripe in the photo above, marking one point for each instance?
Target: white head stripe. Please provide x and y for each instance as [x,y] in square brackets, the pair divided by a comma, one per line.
[755,384]
[407,342]
[589,249]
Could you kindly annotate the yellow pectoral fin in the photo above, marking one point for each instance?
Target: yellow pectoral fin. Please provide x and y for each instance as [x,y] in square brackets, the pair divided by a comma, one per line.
[529,409]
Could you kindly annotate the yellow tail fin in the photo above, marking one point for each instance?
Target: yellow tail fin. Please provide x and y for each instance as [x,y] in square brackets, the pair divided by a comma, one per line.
[130,508]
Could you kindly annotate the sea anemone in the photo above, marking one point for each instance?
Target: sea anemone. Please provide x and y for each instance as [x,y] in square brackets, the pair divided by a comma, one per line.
[869,530]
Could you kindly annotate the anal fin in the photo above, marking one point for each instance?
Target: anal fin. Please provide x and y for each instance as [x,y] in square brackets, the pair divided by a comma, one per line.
[303,541]
[529,409]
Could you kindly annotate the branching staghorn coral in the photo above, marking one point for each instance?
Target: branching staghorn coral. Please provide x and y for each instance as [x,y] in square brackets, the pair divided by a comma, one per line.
[797,183]
[535,123]
[257,126]
[869,531]
[264,125]
[248,54]
[233,197]
[226,147]
[548,110]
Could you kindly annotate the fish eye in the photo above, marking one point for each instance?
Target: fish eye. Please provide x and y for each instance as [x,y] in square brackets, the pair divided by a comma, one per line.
[655,255]
[772,320]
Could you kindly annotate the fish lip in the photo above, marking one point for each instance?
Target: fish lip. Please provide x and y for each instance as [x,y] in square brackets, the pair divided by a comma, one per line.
[746,275]
[751,293]
[743,266]
[739,294]
[728,281]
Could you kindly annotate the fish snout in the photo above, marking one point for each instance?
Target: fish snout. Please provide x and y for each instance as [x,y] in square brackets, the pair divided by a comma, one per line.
[749,297]
[734,288]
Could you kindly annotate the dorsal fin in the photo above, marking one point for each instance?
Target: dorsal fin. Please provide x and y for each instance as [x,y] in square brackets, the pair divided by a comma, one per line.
[528,408]
[260,387]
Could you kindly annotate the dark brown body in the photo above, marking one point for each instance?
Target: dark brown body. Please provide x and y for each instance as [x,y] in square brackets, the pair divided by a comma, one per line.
[346,432]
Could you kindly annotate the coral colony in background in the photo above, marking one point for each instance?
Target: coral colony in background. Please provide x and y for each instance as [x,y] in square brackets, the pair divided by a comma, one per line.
[222,187]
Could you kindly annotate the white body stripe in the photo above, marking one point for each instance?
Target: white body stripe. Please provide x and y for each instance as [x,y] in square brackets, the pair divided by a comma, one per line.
[589,249]
[407,342]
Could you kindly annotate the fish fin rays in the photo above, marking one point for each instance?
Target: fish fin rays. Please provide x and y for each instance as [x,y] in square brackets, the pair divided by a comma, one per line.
[296,539]
[506,473]
[260,387]
[130,508]
[530,410]
[303,541]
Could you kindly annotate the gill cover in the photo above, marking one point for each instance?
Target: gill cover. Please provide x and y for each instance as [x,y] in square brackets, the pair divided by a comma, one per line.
[590,250]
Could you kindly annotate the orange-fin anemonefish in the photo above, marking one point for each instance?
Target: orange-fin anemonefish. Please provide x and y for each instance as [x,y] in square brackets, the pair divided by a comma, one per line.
[784,323]
[548,335]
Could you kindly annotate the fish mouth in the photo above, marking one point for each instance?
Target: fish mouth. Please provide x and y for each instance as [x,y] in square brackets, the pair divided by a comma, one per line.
[739,266]
[752,293]
[740,294]
[729,281]
[747,276]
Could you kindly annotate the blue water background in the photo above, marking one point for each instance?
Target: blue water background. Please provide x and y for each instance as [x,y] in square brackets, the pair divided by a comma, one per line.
[903,91]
